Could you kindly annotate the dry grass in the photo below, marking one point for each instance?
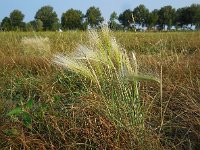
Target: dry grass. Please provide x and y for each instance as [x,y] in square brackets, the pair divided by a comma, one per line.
[65,115]
[37,46]
[180,99]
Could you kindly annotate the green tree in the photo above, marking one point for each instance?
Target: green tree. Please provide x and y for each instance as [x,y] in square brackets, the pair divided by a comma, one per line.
[113,16]
[6,24]
[184,16]
[126,19]
[85,25]
[55,26]
[181,16]
[48,17]
[23,26]
[94,17]
[152,18]
[140,14]
[195,15]
[16,19]
[72,19]
[167,16]
[37,25]
[112,22]
[29,27]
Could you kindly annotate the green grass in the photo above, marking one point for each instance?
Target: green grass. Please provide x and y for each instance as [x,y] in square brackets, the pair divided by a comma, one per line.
[45,106]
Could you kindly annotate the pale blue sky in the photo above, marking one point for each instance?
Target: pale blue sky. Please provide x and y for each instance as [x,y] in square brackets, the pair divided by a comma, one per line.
[29,7]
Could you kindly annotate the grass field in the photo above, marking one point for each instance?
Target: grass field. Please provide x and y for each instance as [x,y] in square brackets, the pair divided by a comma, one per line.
[46,106]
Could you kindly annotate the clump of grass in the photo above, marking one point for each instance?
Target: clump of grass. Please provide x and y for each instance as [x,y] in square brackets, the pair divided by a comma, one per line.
[36,46]
[113,74]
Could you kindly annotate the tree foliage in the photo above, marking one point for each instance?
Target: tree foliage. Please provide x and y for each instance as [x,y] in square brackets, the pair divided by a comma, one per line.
[29,27]
[126,18]
[113,16]
[182,17]
[167,16]
[113,21]
[6,24]
[195,14]
[140,14]
[72,19]
[48,17]
[16,19]
[188,15]
[152,18]
[37,25]
[94,17]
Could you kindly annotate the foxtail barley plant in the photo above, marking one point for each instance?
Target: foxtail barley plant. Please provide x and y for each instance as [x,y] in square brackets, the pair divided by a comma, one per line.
[114,74]
[36,46]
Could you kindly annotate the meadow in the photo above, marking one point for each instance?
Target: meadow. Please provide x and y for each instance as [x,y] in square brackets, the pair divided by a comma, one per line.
[144,94]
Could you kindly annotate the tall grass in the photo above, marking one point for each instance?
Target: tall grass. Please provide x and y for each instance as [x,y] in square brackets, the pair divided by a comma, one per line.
[37,46]
[93,103]
[113,74]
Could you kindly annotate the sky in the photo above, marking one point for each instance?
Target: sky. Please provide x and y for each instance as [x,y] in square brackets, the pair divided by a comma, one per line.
[30,7]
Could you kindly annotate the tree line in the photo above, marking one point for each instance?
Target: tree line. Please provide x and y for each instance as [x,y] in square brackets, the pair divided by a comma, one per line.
[46,19]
